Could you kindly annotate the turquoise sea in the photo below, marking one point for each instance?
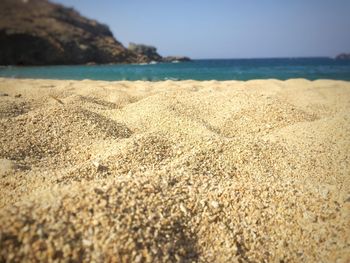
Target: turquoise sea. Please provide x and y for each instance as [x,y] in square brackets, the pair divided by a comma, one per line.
[206,69]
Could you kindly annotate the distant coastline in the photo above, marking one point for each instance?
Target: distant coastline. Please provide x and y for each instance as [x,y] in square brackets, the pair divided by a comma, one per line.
[343,56]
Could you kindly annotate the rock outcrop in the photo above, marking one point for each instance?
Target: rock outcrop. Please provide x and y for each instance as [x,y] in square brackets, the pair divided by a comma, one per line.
[148,54]
[343,56]
[38,32]
[176,59]
[145,53]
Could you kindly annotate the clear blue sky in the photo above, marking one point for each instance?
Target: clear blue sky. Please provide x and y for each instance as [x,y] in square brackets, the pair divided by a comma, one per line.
[227,28]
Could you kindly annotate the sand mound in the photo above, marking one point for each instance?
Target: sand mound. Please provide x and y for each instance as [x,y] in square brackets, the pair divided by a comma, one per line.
[54,132]
[109,222]
[175,171]
[12,107]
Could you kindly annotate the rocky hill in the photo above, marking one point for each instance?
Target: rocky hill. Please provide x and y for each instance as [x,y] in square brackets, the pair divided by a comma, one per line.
[38,32]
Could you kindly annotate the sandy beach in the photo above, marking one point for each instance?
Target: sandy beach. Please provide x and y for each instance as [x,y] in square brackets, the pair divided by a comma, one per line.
[175,171]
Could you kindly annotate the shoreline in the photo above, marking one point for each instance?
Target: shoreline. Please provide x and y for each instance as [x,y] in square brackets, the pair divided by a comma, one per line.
[171,80]
[175,170]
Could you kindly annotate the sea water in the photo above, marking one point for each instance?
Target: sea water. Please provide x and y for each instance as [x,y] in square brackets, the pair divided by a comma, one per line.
[206,69]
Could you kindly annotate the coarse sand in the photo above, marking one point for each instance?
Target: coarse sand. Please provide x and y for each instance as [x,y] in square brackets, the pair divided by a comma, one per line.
[175,171]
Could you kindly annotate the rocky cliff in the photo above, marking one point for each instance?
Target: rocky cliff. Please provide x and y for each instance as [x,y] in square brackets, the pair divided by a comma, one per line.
[38,32]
